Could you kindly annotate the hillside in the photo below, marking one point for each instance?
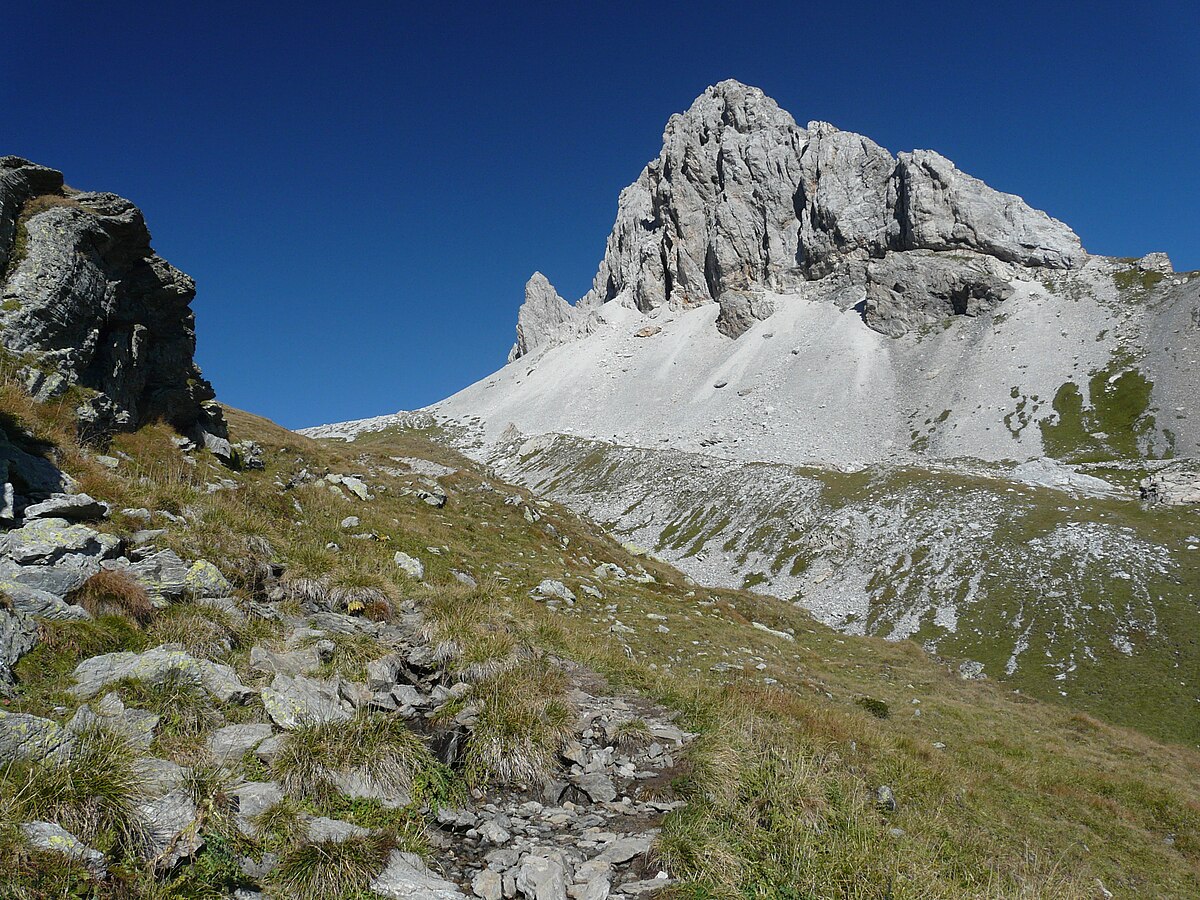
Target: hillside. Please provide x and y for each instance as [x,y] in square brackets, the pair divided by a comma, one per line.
[804,739]
[876,387]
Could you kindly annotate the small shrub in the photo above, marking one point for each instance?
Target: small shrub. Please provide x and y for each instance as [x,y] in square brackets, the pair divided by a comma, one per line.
[382,746]
[331,869]
[524,721]
[93,791]
[633,735]
[114,592]
[877,708]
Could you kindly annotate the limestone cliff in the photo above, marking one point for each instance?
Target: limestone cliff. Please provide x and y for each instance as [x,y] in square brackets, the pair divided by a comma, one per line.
[741,198]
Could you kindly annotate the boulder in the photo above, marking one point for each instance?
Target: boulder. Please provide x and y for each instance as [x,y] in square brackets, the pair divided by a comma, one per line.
[44,541]
[409,565]
[23,736]
[543,877]
[172,829]
[73,507]
[163,574]
[321,830]
[204,579]
[229,744]
[555,589]
[84,291]
[408,878]
[253,799]
[94,674]
[51,838]
[18,635]
[294,701]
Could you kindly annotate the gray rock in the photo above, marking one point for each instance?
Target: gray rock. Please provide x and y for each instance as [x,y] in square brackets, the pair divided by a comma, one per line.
[228,744]
[409,565]
[253,799]
[939,207]
[18,635]
[137,725]
[908,290]
[160,776]
[598,786]
[551,588]
[547,320]
[94,674]
[323,830]
[59,576]
[290,662]
[73,507]
[383,672]
[487,885]
[23,736]
[32,602]
[543,877]
[43,541]
[626,848]
[294,701]
[163,574]
[739,311]
[885,798]
[204,579]
[89,295]
[172,828]
[408,878]
[54,839]
[360,784]
[1156,262]
[350,522]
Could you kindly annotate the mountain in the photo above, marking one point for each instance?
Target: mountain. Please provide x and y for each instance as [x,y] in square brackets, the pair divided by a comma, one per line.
[878,388]
[335,670]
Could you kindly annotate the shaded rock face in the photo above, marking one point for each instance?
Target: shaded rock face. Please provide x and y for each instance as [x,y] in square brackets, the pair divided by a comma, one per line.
[82,289]
[741,198]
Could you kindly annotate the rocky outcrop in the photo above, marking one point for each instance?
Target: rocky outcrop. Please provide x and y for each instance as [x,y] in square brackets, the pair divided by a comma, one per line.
[84,294]
[546,319]
[741,199]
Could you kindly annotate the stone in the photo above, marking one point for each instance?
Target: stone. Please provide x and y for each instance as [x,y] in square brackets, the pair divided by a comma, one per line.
[546,319]
[35,603]
[626,848]
[73,507]
[152,666]
[172,829]
[23,736]
[908,290]
[598,786]
[885,798]
[494,833]
[229,744]
[487,885]
[98,306]
[160,776]
[43,541]
[739,311]
[382,673]
[204,579]
[551,588]
[18,635]
[323,830]
[939,207]
[253,799]
[137,725]
[294,701]
[51,838]
[464,578]
[163,574]
[409,565]
[543,877]
[350,522]
[408,878]
[1156,262]
[290,662]
[361,784]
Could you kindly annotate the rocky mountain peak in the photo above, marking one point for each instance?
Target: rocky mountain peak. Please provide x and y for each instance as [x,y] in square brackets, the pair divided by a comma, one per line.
[84,297]
[742,199]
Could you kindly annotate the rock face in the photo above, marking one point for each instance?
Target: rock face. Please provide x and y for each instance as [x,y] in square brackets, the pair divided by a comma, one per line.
[82,290]
[743,199]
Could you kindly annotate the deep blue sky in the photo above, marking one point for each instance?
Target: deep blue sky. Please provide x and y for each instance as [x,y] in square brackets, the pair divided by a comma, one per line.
[362,189]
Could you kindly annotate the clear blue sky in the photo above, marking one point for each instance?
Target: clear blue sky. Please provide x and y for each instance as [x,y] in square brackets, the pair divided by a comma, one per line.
[362,189]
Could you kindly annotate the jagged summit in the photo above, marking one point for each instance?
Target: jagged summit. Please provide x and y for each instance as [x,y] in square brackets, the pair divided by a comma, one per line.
[743,199]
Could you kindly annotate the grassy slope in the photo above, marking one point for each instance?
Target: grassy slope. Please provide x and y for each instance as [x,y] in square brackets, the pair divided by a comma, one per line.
[1025,799]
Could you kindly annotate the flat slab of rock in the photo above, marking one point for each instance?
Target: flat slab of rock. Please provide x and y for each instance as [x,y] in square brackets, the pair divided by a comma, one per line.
[24,736]
[44,540]
[55,839]
[291,702]
[204,579]
[230,743]
[289,662]
[75,507]
[95,674]
[323,830]
[408,878]
[254,798]
[173,830]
